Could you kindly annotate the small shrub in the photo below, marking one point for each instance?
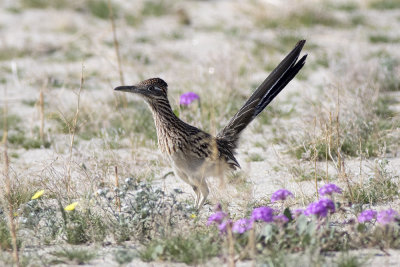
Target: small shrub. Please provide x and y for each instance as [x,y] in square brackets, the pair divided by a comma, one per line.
[380,38]
[124,256]
[18,139]
[5,237]
[145,212]
[44,3]
[387,78]
[99,8]
[379,187]
[348,6]
[84,227]
[13,121]
[195,248]
[132,20]
[308,16]
[255,157]
[384,4]
[155,8]
[48,221]
[302,173]
[346,260]
[363,133]
[73,256]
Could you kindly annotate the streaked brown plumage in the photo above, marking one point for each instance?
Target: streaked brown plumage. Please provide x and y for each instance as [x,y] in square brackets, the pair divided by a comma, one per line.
[195,154]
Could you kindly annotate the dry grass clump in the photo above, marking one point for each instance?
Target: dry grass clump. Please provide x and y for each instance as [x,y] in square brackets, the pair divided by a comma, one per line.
[355,118]
[299,14]
[117,127]
[388,76]
[381,185]
[384,4]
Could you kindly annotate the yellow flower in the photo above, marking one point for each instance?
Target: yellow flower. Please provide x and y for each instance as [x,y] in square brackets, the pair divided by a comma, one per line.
[71,207]
[193,216]
[38,194]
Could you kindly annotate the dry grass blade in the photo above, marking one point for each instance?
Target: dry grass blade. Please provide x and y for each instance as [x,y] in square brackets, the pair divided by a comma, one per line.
[72,132]
[13,230]
[41,111]
[116,46]
[117,199]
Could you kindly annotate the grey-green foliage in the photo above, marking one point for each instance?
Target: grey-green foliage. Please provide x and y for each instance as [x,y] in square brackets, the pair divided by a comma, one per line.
[40,219]
[47,221]
[145,211]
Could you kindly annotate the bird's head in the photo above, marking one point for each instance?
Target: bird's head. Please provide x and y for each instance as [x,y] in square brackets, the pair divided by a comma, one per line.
[151,89]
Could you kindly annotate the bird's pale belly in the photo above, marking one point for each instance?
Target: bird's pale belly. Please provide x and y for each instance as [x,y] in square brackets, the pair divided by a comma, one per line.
[196,167]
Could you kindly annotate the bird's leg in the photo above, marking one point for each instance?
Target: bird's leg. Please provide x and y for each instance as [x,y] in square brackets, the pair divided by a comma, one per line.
[186,179]
[204,193]
[196,190]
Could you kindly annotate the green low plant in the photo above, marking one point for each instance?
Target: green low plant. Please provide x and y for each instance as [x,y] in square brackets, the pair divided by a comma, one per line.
[124,256]
[73,256]
[346,260]
[384,4]
[155,8]
[195,248]
[5,237]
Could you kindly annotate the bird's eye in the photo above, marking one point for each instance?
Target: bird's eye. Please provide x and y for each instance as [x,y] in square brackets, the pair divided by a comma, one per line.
[150,88]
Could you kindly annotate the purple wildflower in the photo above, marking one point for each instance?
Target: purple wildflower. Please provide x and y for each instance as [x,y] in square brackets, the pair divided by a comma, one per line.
[263,214]
[367,216]
[280,194]
[329,189]
[188,98]
[216,217]
[281,219]
[320,208]
[222,226]
[387,216]
[242,225]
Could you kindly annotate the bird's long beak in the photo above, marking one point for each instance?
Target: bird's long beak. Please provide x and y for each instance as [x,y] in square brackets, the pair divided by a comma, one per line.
[129,88]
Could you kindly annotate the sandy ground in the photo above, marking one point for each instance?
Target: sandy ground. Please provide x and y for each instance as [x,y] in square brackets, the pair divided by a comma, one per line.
[199,57]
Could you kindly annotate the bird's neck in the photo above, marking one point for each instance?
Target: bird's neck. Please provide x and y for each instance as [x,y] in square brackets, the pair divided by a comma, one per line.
[168,125]
[163,114]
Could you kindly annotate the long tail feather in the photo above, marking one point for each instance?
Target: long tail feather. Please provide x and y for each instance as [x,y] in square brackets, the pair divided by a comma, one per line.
[264,94]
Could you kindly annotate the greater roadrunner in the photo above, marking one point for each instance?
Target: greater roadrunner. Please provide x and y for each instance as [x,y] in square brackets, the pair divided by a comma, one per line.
[196,155]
